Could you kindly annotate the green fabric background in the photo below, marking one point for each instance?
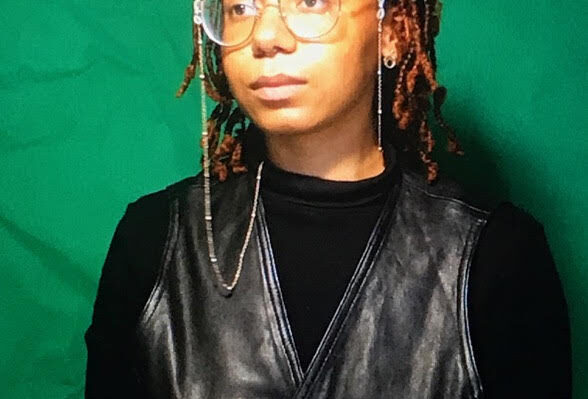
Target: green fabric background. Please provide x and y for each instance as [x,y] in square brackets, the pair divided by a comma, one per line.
[89,122]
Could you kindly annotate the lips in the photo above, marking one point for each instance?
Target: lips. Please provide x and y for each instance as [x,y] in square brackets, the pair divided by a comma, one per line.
[276,81]
[277,88]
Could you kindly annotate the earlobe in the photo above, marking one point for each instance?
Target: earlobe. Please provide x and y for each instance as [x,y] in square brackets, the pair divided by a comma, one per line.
[389,39]
[389,51]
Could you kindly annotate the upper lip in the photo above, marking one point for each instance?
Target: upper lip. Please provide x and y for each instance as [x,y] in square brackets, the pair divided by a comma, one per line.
[276,80]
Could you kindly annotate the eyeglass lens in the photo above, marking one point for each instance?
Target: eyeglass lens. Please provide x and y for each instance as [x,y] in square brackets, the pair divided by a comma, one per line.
[231,22]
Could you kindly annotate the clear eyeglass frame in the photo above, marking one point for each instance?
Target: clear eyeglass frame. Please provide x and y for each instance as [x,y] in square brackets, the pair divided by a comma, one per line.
[199,19]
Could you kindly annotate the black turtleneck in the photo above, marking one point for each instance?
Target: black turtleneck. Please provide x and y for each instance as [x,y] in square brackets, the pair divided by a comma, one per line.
[318,230]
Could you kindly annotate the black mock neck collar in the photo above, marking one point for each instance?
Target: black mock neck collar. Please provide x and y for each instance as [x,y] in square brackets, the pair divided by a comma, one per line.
[315,191]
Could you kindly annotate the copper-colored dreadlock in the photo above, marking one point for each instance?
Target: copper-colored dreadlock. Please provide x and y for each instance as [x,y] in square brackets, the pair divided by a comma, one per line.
[416,26]
[225,157]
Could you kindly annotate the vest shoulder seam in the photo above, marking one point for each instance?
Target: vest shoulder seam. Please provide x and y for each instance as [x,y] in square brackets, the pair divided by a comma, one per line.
[479,212]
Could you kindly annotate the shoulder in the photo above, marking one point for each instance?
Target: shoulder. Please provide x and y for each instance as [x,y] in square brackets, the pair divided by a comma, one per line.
[502,217]
[507,215]
[152,213]
[517,305]
[145,227]
[506,230]
[136,252]
[446,195]
[512,232]
[146,209]
[512,258]
[153,208]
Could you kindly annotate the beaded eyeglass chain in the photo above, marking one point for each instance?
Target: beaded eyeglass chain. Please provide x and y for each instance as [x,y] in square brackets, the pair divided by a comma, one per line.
[207,201]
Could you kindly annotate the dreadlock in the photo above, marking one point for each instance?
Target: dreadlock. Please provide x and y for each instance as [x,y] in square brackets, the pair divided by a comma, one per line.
[407,92]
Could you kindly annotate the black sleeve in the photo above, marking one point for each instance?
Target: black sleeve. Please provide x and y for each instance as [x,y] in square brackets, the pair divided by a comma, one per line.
[517,310]
[128,275]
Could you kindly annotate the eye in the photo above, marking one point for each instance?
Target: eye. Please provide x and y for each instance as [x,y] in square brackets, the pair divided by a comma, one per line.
[240,10]
[313,5]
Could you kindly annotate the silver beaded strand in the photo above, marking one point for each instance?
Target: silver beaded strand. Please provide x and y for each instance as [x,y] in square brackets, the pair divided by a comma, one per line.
[207,202]
[380,15]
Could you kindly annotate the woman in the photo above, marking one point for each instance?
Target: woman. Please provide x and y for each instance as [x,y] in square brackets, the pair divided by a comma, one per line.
[321,254]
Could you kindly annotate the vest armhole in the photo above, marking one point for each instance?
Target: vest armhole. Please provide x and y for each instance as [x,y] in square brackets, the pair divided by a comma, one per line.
[170,243]
[469,356]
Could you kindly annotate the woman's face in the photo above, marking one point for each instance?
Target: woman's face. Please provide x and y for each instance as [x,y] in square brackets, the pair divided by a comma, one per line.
[334,74]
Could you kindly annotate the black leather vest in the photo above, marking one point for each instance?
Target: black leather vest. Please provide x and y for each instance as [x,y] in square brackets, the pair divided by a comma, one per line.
[400,330]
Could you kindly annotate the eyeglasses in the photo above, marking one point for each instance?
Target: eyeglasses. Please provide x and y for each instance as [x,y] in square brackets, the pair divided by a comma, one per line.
[231,22]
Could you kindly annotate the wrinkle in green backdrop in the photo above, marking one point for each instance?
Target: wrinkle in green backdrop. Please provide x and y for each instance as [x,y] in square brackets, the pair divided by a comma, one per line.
[89,122]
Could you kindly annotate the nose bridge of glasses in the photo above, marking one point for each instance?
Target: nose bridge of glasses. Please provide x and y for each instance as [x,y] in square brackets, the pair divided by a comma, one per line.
[261,7]
[261,4]
[261,11]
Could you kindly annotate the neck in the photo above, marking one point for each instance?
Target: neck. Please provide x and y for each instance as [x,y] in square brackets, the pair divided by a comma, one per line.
[344,151]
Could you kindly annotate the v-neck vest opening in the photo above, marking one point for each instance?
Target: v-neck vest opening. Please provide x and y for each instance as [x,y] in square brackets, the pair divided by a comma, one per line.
[303,379]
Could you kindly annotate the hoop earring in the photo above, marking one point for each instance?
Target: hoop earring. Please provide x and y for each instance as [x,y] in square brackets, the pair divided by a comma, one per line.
[389,62]
[380,16]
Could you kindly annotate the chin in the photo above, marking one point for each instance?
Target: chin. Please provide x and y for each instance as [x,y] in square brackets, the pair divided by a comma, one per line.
[283,121]
[280,128]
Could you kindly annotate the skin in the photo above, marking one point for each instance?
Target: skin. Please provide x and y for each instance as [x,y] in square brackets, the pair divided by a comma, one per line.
[325,129]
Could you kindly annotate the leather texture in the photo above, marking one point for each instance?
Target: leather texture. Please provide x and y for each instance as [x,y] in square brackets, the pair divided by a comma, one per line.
[400,329]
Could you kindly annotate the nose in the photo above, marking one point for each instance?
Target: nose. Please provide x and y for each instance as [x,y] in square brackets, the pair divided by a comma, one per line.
[271,35]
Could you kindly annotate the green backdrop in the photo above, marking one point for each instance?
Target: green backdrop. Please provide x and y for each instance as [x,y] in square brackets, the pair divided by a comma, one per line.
[89,122]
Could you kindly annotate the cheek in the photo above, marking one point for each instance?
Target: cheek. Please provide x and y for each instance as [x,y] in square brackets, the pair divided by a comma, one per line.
[231,70]
[350,71]
[352,64]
